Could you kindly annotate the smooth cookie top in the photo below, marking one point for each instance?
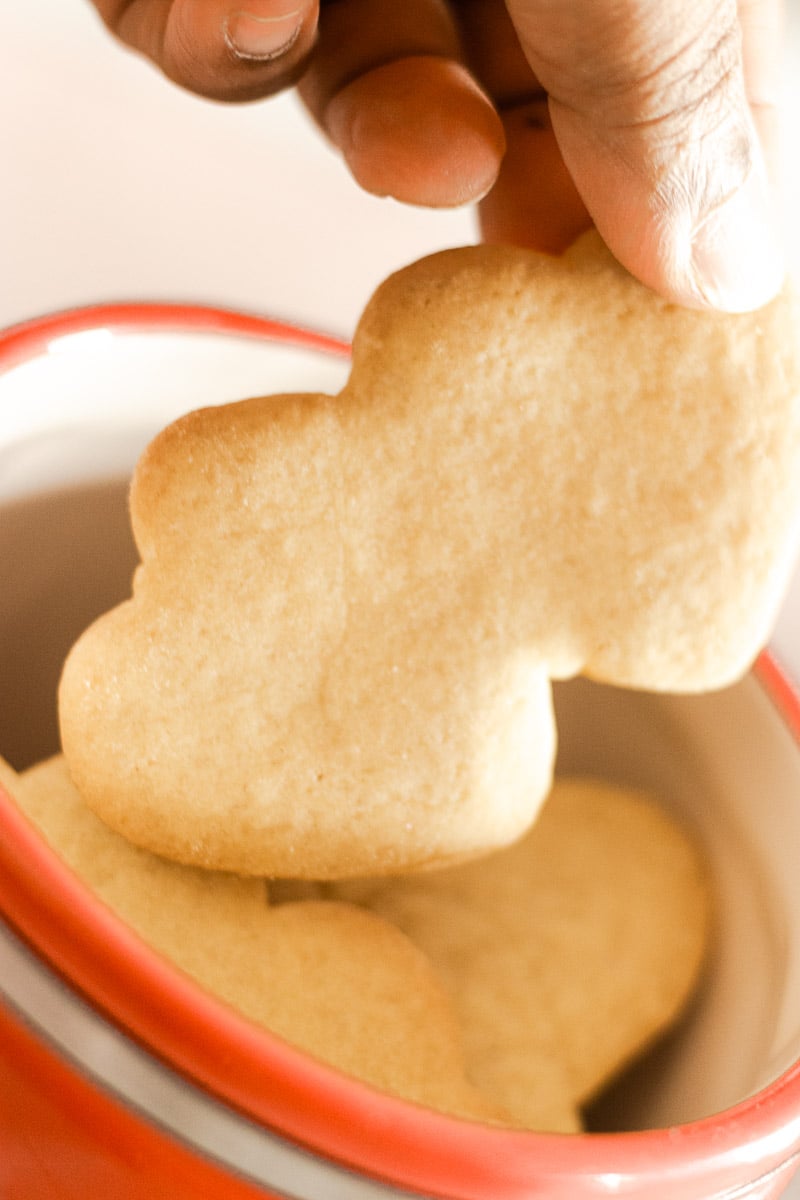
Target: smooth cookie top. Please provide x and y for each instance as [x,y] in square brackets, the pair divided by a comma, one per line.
[338,653]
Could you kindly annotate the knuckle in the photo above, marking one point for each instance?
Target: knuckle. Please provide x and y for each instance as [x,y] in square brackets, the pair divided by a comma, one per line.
[651,67]
[694,116]
[697,86]
[678,110]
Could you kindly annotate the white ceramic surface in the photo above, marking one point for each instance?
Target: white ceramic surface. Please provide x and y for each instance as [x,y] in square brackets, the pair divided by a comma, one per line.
[88,404]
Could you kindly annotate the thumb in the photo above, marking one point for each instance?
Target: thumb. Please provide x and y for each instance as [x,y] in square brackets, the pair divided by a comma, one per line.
[649,106]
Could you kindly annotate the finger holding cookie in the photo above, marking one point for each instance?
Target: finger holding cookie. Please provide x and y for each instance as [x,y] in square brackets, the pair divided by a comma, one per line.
[656,122]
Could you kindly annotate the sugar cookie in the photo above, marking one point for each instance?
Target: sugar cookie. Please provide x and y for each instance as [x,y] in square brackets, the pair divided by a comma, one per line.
[337,657]
[340,983]
[583,941]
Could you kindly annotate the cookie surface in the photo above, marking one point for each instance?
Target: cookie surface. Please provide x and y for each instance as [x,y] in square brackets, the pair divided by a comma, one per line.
[338,982]
[336,660]
[584,941]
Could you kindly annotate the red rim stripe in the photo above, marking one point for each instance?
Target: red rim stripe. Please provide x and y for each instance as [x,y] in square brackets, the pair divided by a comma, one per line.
[24,341]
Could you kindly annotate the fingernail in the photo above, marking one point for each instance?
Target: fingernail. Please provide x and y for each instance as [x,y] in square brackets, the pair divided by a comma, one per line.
[737,256]
[261,38]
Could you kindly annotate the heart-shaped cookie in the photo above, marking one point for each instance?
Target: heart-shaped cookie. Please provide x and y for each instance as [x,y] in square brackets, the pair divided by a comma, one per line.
[340,983]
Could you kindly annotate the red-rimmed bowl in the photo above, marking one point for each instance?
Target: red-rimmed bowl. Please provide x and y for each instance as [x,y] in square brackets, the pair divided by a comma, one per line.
[120,1078]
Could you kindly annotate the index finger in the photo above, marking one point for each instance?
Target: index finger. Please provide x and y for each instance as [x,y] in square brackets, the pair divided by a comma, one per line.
[388,85]
[534,201]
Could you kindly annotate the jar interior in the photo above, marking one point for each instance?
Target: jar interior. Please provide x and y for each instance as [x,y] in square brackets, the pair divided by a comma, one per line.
[727,763]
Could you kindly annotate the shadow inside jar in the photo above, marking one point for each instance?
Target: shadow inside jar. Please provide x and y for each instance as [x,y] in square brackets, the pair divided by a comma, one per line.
[66,556]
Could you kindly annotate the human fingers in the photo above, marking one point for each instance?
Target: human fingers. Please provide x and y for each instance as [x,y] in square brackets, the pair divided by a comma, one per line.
[649,104]
[223,49]
[762,23]
[388,85]
[534,201]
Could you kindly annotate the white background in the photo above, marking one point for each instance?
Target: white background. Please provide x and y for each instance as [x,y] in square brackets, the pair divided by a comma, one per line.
[115,184]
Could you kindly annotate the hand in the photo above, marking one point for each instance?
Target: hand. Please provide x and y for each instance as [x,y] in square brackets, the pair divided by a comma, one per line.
[656,120]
